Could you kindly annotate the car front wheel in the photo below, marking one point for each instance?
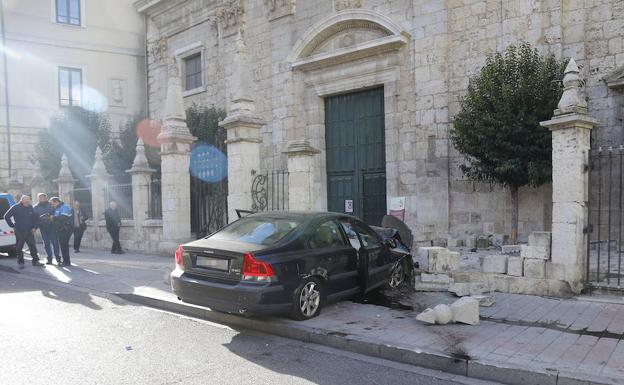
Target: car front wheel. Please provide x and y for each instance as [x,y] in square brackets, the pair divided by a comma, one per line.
[308,299]
[397,275]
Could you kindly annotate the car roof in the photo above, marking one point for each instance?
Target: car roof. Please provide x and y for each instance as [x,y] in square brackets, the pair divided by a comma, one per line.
[300,215]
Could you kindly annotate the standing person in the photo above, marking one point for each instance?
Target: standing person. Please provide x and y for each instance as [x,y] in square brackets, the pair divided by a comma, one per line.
[113,225]
[64,227]
[45,212]
[80,225]
[21,216]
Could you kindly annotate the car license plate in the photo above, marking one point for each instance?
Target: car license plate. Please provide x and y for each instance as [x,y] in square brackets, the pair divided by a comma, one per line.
[213,263]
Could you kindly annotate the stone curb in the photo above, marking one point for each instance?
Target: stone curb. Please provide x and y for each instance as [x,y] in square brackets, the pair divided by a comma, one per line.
[505,374]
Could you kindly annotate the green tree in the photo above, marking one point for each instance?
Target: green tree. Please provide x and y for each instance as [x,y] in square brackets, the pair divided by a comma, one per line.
[203,123]
[75,132]
[497,128]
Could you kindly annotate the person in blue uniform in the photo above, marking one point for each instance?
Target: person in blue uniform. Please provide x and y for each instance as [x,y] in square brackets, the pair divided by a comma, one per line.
[64,227]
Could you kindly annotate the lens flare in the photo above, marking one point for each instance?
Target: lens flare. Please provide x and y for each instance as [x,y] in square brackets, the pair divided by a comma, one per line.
[208,163]
[93,100]
[148,130]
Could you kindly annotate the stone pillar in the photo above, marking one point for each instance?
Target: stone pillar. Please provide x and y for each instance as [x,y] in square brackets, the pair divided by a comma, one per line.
[570,128]
[175,144]
[300,174]
[37,184]
[243,135]
[141,179]
[65,181]
[99,179]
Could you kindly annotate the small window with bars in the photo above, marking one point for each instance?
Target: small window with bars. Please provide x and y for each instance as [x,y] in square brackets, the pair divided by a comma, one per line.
[68,12]
[70,86]
[192,72]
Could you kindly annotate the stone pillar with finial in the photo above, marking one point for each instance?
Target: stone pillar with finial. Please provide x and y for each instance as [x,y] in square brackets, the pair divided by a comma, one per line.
[570,127]
[175,148]
[99,178]
[242,124]
[65,181]
[141,179]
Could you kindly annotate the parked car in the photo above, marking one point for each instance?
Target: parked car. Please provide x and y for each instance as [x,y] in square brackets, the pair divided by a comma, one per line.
[7,235]
[286,262]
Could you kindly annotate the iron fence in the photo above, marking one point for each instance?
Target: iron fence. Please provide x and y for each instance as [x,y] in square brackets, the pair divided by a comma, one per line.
[154,210]
[83,195]
[122,194]
[269,191]
[605,218]
[208,206]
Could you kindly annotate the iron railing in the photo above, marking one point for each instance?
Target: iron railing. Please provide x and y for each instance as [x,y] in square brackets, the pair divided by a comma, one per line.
[122,194]
[83,195]
[605,218]
[269,191]
[154,210]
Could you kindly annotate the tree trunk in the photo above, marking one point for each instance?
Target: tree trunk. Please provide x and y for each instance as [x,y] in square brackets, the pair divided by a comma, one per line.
[514,214]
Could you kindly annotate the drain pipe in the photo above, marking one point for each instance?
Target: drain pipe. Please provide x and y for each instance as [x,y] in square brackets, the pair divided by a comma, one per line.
[6,88]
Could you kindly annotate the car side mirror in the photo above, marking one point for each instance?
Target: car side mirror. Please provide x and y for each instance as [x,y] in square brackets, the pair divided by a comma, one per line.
[391,243]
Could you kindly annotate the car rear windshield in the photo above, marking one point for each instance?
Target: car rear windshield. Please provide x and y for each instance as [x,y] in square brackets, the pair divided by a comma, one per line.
[258,231]
[4,207]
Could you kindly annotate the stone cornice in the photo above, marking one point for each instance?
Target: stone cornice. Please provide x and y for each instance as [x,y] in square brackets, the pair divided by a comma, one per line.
[571,120]
[615,79]
[300,147]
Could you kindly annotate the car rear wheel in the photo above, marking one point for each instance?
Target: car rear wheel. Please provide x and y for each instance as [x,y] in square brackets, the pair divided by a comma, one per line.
[308,299]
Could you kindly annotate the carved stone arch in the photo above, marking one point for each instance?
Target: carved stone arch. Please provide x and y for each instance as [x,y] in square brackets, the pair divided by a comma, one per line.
[346,36]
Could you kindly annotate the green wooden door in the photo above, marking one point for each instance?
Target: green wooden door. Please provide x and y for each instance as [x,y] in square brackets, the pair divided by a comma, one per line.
[356,159]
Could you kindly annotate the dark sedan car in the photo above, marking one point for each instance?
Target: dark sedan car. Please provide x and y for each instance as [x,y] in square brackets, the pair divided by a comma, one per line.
[285,262]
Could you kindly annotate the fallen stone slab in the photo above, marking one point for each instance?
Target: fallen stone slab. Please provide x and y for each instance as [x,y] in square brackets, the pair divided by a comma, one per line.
[495,264]
[463,289]
[485,300]
[443,314]
[515,266]
[435,278]
[466,310]
[427,316]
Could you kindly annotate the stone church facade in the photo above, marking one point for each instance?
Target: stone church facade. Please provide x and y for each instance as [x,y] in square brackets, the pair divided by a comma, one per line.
[355,98]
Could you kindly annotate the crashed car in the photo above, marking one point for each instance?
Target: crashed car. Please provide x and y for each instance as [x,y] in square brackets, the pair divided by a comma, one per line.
[288,262]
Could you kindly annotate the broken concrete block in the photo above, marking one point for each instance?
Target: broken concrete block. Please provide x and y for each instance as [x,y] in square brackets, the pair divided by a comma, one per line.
[467,288]
[428,316]
[540,238]
[435,278]
[510,249]
[437,259]
[485,300]
[535,268]
[534,252]
[466,310]
[515,266]
[443,314]
[495,264]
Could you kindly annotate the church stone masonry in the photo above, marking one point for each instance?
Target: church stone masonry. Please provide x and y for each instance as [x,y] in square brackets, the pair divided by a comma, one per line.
[301,54]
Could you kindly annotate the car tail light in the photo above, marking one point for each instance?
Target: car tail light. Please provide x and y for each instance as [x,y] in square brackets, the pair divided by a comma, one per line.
[255,270]
[179,257]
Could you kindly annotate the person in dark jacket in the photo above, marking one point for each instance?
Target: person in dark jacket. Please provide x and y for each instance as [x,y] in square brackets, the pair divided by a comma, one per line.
[113,225]
[64,227]
[45,212]
[79,219]
[21,216]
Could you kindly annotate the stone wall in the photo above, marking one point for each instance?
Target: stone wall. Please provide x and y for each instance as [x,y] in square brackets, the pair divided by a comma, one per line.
[447,42]
[145,242]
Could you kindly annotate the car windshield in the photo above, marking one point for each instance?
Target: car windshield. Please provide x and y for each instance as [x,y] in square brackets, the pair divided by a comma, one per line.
[259,231]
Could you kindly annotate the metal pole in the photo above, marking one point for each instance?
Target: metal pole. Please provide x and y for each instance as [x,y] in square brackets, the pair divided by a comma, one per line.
[620,223]
[609,216]
[589,213]
[6,89]
[598,222]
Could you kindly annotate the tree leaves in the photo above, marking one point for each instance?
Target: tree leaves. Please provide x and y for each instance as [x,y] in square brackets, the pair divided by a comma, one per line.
[497,128]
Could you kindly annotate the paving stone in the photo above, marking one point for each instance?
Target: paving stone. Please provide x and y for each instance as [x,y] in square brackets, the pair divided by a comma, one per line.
[615,364]
[515,266]
[589,315]
[599,355]
[604,318]
[617,324]
[466,310]
[530,351]
[557,348]
[578,351]
[515,344]
[535,268]
[495,264]
[462,289]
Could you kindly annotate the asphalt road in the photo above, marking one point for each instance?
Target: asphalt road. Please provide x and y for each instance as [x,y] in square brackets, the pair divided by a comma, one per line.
[54,334]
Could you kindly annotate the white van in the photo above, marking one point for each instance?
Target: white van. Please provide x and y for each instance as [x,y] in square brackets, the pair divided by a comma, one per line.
[7,234]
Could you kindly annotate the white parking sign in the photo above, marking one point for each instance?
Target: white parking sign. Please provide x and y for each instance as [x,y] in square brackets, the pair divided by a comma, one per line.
[348,206]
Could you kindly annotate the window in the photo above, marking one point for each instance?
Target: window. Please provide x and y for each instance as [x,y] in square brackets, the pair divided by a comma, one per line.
[68,12]
[326,235]
[257,230]
[366,235]
[70,86]
[351,234]
[4,207]
[192,72]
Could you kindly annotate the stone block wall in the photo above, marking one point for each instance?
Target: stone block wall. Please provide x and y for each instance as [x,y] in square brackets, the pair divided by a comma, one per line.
[448,43]
[144,241]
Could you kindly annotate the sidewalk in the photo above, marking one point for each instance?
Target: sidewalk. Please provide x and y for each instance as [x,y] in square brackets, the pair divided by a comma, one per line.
[521,339]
